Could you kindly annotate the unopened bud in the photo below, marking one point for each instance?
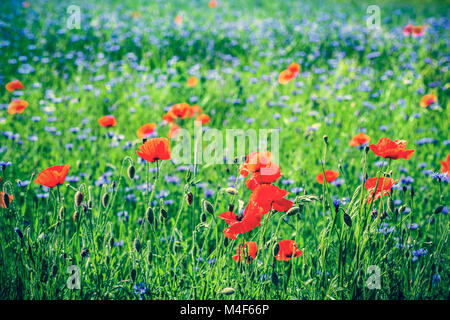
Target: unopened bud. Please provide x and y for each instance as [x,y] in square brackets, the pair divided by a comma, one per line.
[189,198]
[131,171]
[232,191]
[105,200]
[149,215]
[207,206]
[292,211]
[78,198]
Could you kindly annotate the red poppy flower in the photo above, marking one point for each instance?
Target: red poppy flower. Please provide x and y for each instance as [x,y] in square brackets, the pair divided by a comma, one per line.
[359,140]
[203,118]
[445,165]
[178,20]
[154,149]
[255,161]
[193,110]
[428,100]
[169,117]
[53,176]
[17,106]
[246,251]
[251,219]
[264,175]
[330,176]
[180,110]
[389,149]
[407,30]
[417,31]
[288,250]
[107,121]
[294,68]
[229,217]
[14,85]
[146,130]
[212,4]
[191,82]
[2,202]
[268,196]
[285,76]
[384,186]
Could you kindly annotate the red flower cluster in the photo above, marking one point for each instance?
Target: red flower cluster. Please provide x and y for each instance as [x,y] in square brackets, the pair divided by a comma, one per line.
[52,176]
[183,111]
[288,250]
[389,149]
[264,197]
[415,31]
[154,149]
[246,251]
[382,189]
[288,74]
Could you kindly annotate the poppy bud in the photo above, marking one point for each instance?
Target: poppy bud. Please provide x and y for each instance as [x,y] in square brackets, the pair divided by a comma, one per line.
[391,205]
[90,204]
[292,211]
[225,242]
[276,249]
[78,198]
[366,149]
[131,171]
[149,214]
[439,209]
[203,217]
[163,213]
[19,232]
[207,206]
[105,200]
[228,291]
[133,274]
[75,216]
[231,191]
[189,198]
[231,207]
[347,220]
[84,253]
[6,200]
[405,188]
[137,245]
[325,138]
[61,213]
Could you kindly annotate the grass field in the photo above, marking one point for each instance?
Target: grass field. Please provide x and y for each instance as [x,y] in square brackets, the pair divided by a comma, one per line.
[313,73]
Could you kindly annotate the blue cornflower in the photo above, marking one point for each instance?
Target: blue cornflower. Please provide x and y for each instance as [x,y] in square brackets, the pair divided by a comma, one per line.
[141,289]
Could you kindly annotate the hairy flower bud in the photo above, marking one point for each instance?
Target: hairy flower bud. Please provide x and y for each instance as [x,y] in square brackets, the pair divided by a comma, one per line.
[189,198]
[207,206]
[105,200]
[78,198]
[131,172]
